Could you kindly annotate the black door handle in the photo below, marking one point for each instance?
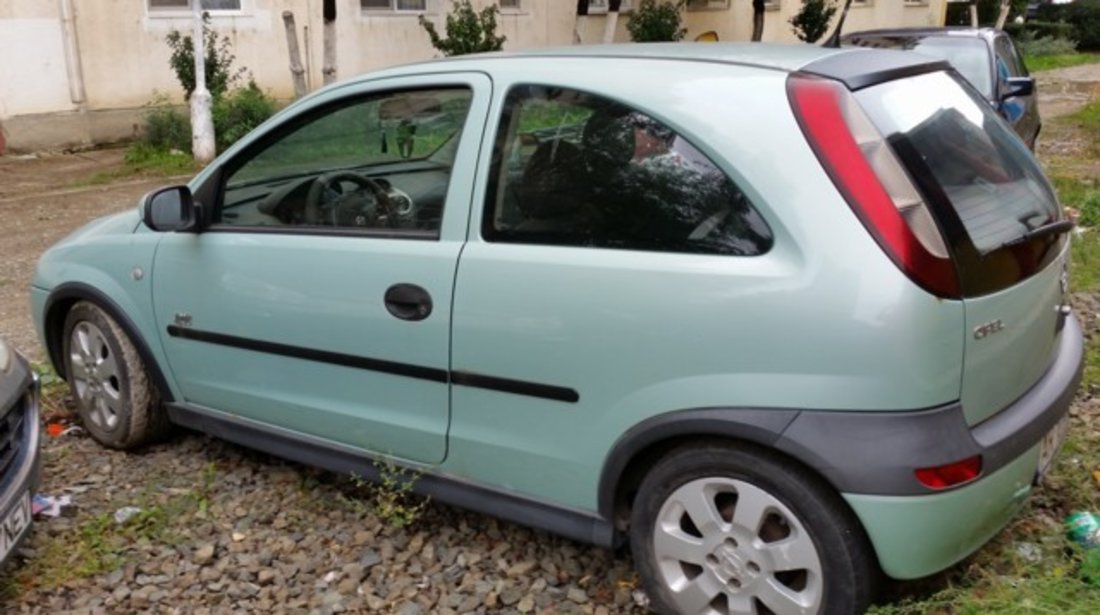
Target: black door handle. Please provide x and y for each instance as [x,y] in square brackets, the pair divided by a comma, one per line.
[408,302]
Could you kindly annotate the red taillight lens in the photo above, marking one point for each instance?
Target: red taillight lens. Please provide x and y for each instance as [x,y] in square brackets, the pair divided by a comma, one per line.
[872,180]
[952,474]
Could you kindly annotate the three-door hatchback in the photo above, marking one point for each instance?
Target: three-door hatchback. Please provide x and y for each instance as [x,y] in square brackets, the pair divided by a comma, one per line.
[779,317]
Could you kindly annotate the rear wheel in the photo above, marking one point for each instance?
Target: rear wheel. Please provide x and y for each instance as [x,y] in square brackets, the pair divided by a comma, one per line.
[117,403]
[724,529]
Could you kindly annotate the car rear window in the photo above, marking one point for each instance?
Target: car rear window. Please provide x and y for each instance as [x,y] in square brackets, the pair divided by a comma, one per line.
[969,56]
[985,187]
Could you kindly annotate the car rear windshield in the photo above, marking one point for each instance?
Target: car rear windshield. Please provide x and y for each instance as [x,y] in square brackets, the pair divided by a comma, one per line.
[984,186]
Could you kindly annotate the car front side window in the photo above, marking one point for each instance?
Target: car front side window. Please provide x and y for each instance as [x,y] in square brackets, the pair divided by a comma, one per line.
[377,163]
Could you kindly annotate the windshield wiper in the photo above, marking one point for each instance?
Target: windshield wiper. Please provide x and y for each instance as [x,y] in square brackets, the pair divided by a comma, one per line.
[1051,228]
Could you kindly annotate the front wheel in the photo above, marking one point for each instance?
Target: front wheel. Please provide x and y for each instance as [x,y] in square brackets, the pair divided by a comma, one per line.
[117,403]
[719,528]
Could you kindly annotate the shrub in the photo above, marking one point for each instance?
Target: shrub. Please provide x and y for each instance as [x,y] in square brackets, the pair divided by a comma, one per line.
[812,21]
[654,21]
[238,112]
[1039,29]
[467,30]
[1046,46]
[219,60]
[166,128]
[1083,15]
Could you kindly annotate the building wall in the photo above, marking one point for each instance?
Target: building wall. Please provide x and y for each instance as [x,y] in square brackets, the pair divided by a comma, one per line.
[124,58]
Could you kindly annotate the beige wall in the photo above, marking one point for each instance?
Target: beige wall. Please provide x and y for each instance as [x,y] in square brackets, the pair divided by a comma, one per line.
[125,59]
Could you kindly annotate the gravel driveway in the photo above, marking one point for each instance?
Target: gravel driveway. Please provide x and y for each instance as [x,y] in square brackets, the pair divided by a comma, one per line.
[222,529]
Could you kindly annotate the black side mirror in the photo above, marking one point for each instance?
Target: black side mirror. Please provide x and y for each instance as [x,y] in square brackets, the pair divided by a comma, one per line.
[170,209]
[1018,86]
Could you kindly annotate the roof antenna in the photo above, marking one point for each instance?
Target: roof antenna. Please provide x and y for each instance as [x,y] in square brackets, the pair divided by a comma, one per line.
[834,40]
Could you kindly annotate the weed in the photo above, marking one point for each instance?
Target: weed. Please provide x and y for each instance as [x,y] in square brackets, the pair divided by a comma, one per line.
[391,497]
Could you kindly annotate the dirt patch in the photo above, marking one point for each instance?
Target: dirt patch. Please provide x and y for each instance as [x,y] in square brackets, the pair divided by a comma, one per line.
[39,205]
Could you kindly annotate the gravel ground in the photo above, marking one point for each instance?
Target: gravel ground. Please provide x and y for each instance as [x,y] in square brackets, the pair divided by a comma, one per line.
[225,530]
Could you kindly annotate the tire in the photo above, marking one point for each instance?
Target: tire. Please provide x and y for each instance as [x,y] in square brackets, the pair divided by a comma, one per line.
[117,402]
[727,528]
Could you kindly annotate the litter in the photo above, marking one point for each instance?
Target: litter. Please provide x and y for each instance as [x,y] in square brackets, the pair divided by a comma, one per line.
[49,506]
[124,514]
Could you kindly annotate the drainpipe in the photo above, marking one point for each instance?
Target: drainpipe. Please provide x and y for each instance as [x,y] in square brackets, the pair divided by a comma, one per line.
[73,68]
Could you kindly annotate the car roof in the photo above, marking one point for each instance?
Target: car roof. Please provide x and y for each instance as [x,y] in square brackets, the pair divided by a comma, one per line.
[952,31]
[773,56]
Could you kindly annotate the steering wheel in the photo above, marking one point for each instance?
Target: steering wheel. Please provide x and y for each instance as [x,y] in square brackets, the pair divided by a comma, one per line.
[331,181]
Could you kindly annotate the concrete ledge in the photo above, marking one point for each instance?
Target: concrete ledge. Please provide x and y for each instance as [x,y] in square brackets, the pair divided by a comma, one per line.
[72,129]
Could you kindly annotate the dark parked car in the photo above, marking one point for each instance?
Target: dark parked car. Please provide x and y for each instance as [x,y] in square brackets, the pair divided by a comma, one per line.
[18,447]
[986,57]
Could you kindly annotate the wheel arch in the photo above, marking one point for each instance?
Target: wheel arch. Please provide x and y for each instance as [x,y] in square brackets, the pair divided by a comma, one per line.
[57,307]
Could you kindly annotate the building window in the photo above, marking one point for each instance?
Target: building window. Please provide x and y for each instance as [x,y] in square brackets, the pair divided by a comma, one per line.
[861,2]
[708,5]
[916,2]
[394,5]
[186,5]
[597,7]
[510,5]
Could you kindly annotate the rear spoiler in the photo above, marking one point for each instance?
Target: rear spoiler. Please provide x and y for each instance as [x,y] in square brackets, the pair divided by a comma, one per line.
[862,68]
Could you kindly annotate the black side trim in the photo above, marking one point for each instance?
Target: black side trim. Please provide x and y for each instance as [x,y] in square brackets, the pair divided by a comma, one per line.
[570,523]
[518,387]
[310,354]
[862,68]
[55,320]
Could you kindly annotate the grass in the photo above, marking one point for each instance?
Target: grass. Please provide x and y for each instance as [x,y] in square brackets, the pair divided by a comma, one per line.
[144,161]
[1064,60]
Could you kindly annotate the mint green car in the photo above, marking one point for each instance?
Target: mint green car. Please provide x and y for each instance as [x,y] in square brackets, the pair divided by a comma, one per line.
[780,318]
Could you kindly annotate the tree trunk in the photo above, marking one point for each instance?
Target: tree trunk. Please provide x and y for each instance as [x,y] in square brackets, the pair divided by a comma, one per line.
[609,26]
[328,65]
[757,20]
[1002,17]
[297,73]
[973,14]
[202,123]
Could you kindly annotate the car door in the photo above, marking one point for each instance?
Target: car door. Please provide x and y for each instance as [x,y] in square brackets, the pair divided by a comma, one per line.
[318,298]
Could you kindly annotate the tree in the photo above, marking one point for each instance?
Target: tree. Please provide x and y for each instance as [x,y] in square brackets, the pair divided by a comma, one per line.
[1002,16]
[218,60]
[468,31]
[612,21]
[654,21]
[812,22]
[757,20]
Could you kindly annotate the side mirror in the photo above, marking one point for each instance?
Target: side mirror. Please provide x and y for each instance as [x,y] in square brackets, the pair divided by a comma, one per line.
[170,209]
[1018,86]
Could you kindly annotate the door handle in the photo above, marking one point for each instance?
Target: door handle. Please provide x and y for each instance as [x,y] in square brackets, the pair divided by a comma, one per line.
[408,302]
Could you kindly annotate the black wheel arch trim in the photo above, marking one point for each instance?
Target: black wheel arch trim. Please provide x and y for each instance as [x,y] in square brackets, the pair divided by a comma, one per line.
[871,452]
[78,291]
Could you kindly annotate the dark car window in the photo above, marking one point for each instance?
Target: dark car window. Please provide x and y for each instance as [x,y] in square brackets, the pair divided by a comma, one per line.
[1006,55]
[572,168]
[987,190]
[969,56]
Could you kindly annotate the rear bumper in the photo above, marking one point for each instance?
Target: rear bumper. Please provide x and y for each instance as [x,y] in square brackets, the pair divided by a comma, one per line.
[917,534]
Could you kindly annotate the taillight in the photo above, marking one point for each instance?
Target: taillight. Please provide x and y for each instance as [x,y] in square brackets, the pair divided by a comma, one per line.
[952,474]
[865,170]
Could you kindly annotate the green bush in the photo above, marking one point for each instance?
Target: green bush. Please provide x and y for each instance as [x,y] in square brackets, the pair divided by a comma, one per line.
[812,21]
[654,21]
[1039,29]
[166,128]
[1046,46]
[468,31]
[237,113]
[219,60]
[1083,15]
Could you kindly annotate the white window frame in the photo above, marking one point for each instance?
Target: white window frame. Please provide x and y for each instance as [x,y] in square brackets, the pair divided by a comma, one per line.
[393,10]
[602,7]
[916,3]
[708,5]
[176,11]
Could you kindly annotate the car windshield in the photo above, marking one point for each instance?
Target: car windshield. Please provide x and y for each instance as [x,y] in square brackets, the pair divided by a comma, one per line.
[969,56]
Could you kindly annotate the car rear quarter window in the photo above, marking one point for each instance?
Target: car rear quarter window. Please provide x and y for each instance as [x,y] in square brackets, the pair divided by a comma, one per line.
[986,189]
[576,169]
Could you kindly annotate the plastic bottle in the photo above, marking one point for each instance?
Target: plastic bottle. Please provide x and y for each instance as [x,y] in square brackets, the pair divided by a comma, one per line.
[1084,529]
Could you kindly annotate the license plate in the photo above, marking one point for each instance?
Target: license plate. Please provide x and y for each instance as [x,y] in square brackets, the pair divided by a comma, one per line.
[1050,445]
[14,524]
